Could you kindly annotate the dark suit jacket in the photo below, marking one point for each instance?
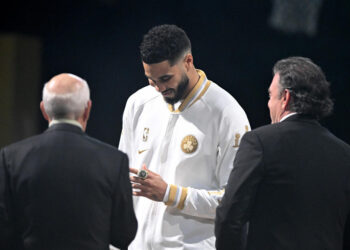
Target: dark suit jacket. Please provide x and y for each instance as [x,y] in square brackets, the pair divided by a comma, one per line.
[291,181]
[64,190]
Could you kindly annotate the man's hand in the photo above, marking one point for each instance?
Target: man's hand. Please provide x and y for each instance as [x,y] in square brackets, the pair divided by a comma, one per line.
[152,187]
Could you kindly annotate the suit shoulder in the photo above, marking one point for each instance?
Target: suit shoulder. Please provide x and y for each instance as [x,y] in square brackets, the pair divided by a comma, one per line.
[104,146]
[267,128]
[267,131]
[22,143]
[338,141]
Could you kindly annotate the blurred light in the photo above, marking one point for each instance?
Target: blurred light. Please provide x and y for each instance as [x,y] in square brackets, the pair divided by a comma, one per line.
[296,16]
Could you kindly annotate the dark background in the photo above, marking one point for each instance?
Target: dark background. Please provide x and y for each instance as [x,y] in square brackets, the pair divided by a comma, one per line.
[232,42]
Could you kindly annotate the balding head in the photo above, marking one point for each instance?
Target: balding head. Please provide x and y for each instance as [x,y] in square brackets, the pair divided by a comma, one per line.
[65,96]
[64,83]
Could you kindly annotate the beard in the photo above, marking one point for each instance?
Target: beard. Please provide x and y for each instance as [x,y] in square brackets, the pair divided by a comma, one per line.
[179,91]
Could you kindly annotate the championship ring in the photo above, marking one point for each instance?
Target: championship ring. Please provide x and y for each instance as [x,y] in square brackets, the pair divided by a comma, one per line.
[189,144]
[142,174]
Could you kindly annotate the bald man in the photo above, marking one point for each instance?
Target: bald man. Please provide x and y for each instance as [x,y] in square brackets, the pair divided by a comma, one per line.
[63,189]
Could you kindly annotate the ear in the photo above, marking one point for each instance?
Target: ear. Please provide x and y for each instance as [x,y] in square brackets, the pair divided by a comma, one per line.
[87,110]
[188,61]
[286,98]
[42,108]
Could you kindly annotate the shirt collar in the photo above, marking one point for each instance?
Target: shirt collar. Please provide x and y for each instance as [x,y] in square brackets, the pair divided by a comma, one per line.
[289,115]
[195,94]
[69,121]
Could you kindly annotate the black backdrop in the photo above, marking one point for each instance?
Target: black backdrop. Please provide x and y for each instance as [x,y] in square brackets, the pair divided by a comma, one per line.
[232,42]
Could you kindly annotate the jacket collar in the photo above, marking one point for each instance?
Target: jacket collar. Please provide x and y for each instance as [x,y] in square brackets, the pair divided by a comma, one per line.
[65,127]
[301,117]
[195,94]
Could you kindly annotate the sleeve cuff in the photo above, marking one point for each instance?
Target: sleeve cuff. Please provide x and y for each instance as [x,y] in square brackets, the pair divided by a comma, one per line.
[176,196]
[166,195]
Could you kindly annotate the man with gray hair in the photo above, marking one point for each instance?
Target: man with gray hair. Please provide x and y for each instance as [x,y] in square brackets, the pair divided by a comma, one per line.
[291,179]
[63,189]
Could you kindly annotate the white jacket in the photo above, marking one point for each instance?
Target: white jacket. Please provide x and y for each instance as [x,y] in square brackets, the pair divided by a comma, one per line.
[193,149]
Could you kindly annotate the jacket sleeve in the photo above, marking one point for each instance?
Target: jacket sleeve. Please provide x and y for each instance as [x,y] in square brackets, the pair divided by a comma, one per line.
[126,137]
[202,202]
[6,224]
[235,208]
[124,223]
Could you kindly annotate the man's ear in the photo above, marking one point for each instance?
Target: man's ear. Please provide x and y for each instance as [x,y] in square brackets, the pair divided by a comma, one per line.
[188,61]
[286,98]
[87,110]
[42,108]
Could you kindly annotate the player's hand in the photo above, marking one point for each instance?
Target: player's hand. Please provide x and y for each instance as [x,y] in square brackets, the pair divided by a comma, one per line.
[152,187]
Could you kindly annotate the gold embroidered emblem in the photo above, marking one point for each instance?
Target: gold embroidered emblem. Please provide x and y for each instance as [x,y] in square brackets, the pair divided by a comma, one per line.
[237,136]
[145,134]
[189,144]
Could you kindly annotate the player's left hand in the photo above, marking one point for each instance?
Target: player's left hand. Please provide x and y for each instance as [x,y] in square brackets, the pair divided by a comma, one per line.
[152,187]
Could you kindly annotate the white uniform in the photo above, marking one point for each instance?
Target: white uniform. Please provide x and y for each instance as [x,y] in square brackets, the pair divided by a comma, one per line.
[193,149]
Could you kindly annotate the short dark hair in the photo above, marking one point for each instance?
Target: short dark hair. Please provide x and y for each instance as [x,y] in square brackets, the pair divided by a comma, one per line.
[307,84]
[164,42]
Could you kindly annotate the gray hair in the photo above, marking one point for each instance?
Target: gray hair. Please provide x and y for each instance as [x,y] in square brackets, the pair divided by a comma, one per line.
[307,84]
[68,105]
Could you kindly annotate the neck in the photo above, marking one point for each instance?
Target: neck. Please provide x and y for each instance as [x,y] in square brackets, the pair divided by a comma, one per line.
[285,113]
[80,121]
